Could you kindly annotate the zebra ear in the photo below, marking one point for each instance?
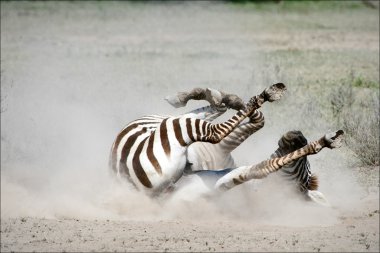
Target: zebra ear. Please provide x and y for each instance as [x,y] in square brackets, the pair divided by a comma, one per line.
[318,197]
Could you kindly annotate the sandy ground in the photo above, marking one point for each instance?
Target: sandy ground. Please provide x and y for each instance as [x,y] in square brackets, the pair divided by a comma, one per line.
[270,225]
[70,73]
[355,232]
[329,229]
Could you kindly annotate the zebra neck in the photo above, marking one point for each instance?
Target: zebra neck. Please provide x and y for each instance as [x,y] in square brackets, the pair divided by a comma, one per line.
[298,171]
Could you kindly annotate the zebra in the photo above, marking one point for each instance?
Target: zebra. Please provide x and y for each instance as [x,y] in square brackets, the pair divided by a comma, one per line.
[151,151]
[140,138]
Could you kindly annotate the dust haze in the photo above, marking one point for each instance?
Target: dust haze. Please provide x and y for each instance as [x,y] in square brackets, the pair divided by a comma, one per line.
[71,78]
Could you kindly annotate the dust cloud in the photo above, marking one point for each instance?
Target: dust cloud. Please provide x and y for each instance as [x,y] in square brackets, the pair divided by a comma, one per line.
[67,92]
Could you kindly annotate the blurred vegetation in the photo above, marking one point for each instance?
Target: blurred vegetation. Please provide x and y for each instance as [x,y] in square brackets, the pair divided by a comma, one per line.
[364,83]
[325,93]
[355,107]
[340,99]
[304,5]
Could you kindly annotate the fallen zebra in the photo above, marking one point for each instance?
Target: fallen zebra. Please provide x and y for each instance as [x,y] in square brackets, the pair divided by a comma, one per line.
[154,152]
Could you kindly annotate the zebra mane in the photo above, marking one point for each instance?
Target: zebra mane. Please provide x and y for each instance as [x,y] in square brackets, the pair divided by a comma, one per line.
[313,183]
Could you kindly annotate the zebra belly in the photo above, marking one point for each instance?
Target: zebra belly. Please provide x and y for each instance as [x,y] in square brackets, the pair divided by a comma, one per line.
[210,177]
[172,169]
[207,156]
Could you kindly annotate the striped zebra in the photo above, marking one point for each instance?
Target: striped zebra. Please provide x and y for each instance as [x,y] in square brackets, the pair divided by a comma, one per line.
[143,151]
[151,151]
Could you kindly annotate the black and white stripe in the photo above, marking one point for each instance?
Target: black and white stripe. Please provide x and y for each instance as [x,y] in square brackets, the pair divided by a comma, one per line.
[298,170]
[207,156]
[264,168]
[151,151]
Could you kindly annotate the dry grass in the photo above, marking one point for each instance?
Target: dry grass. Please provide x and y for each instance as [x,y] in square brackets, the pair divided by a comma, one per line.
[356,109]
[349,101]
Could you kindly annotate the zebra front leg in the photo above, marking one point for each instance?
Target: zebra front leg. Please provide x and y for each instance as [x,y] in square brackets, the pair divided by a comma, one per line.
[263,169]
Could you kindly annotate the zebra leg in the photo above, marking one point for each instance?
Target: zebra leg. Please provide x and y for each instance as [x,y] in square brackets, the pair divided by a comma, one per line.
[207,113]
[203,155]
[208,156]
[241,133]
[263,169]
[218,132]
[217,99]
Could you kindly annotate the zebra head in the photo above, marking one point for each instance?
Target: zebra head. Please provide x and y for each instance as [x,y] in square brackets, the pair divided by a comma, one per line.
[299,170]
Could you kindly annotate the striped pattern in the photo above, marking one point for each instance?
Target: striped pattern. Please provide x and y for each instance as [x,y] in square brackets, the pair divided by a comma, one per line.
[263,169]
[242,132]
[207,156]
[131,138]
[298,170]
[151,151]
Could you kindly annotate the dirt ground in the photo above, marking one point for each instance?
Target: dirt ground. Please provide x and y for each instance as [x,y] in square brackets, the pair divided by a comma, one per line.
[355,232]
[74,73]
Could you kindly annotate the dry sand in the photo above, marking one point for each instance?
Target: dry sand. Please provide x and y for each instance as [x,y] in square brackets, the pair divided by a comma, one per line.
[74,73]
[271,221]
[355,232]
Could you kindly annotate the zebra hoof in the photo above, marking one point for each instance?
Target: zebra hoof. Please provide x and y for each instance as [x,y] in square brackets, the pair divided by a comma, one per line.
[318,198]
[274,92]
[334,139]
